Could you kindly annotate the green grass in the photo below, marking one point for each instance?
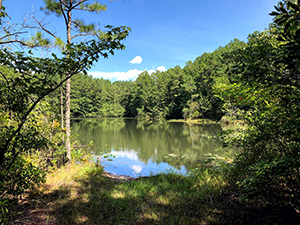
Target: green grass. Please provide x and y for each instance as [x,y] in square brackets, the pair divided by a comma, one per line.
[80,194]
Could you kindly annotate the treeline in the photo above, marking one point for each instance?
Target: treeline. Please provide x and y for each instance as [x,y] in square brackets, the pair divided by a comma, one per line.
[176,93]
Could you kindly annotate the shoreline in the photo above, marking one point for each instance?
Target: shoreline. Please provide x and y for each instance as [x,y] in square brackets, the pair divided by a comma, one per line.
[117,177]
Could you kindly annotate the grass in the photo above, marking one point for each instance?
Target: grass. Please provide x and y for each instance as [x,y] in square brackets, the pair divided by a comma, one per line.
[80,194]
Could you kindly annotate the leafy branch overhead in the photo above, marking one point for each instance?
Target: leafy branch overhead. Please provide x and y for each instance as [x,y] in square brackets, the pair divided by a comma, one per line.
[76,28]
[36,75]
[14,34]
[25,82]
[287,16]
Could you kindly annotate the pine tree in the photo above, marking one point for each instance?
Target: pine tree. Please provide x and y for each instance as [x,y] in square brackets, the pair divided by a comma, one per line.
[65,9]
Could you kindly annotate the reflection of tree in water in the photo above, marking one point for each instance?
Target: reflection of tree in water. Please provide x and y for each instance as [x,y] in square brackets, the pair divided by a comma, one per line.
[151,141]
[201,140]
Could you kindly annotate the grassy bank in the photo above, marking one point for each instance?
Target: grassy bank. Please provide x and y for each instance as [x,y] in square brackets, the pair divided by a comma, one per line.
[81,194]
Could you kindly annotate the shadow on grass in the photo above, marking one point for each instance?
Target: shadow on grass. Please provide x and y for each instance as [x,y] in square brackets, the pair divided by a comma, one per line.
[162,199]
[255,212]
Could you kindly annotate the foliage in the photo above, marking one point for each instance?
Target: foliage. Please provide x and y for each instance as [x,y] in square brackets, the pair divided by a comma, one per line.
[176,93]
[96,97]
[265,84]
[82,194]
[75,27]
[33,79]
[30,138]
[81,153]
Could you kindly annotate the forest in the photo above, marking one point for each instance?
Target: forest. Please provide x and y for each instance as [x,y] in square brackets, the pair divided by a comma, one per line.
[188,92]
[257,82]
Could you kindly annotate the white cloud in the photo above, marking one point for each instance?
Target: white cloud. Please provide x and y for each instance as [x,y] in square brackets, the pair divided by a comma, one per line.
[129,75]
[161,68]
[136,60]
[137,168]
[125,153]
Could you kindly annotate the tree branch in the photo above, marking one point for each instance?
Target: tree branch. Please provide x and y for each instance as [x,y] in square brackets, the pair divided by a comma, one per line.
[62,2]
[20,42]
[80,2]
[13,34]
[5,78]
[82,34]
[63,12]
[41,26]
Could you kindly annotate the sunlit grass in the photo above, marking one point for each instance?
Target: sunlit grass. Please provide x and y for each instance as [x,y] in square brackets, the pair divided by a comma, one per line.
[79,194]
[68,174]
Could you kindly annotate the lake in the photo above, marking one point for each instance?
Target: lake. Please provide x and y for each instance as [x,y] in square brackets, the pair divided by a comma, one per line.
[140,149]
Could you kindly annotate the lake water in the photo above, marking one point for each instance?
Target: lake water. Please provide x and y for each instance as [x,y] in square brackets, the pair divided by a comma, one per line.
[143,150]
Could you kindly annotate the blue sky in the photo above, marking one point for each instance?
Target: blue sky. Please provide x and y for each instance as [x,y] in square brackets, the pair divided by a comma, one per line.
[164,33]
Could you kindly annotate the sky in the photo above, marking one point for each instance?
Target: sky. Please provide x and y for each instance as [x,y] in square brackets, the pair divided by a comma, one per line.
[164,33]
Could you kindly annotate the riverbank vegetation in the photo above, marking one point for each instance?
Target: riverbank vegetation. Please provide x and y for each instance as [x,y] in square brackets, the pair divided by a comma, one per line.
[256,82]
[91,198]
[85,194]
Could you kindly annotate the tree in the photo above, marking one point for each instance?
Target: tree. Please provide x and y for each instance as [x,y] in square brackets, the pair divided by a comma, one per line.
[265,82]
[65,9]
[25,81]
[21,91]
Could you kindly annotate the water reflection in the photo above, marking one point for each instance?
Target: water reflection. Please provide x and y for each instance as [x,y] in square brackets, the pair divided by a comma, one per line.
[142,149]
[127,162]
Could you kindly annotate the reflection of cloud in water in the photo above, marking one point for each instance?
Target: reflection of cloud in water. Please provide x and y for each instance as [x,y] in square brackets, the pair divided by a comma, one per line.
[137,168]
[129,154]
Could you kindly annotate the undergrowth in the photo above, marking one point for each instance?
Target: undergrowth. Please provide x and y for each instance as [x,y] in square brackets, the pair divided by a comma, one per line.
[81,194]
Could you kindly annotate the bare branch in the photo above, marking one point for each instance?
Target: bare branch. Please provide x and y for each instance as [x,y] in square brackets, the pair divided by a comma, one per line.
[82,34]
[41,25]
[82,9]
[12,34]
[20,42]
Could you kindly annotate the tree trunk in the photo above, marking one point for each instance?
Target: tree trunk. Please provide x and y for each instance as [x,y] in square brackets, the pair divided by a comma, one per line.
[68,124]
[68,95]
[61,106]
